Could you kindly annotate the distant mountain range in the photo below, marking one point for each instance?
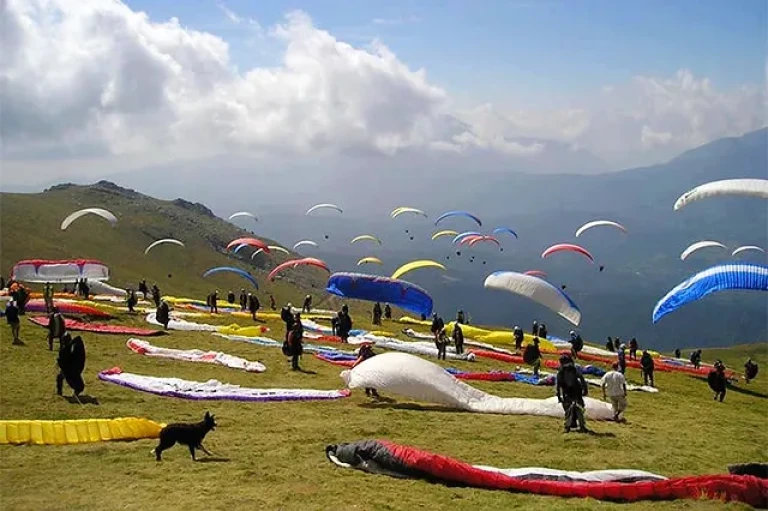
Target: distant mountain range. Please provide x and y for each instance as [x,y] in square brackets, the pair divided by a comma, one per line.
[542,208]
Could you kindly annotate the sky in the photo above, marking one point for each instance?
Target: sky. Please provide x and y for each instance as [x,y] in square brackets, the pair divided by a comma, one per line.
[101,87]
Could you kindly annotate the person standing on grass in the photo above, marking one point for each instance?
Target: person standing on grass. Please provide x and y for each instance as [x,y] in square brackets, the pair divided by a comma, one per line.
[344,325]
[609,344]
[253,305]
[519,336]
[542,331]
[231,298]
[622,359]
[243,300]
[678,354]
[286,314]
[387,312]
[646,365]
[143,289]
[614,387]
[377,314]
[535,328]
[131,300]
[156,294]
[458,338]
[441,343]
[696,359]
[71,362]
[48,297]
[437,325]
[633,349]
[163,314]
[295,342]
[717,380]
[56,327]
[366,352]
[12,317]
[532,356]
[571,389]
[750,370]
[307,307]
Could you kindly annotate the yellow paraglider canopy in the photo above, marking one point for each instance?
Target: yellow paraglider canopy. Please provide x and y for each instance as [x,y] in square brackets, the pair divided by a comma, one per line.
[415,265]
[371,259]
[447,232]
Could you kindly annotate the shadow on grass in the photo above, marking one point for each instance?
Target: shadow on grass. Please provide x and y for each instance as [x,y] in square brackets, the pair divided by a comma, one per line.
[598,434]
[393,405]
[82,399]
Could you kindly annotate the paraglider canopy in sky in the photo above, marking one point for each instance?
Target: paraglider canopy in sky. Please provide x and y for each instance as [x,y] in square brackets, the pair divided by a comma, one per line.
[415,265]
[243,214]
[163,242]
[103,213]
[757,188]
[368,260]
[535,289]
[317,207]
[293,263]
[567,247]
[465,214]
[698,246]
[599,223]
[365,237]
[746,276]
[59,271]
[747,248]
[405,209]
[252,242]
[237,271]
[278,248]
[371,288]
[447,232]
[304,243]
[507,230]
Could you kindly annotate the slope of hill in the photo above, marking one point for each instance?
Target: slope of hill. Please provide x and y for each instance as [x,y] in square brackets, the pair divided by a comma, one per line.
[30,229]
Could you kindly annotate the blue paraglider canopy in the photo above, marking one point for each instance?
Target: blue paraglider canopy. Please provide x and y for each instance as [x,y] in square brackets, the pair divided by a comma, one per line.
[247,276]
[373,288]
[717,278]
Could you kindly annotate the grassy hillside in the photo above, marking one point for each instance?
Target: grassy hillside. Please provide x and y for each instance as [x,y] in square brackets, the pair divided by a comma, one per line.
[274,452]
[30,229]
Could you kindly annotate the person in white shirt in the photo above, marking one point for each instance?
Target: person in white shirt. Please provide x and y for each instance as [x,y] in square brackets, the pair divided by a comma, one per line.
[615,387]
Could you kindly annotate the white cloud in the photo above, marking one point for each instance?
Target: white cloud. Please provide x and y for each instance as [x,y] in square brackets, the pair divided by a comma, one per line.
[396,21]
[93,85]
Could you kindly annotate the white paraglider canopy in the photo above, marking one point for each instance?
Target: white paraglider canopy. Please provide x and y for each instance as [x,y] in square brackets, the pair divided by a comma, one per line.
[536,289]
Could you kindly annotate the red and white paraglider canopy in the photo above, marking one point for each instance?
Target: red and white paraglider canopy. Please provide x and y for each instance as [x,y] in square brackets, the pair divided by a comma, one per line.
[59,272]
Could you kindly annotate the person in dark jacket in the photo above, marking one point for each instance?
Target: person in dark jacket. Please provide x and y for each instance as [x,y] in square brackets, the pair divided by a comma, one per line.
[344,325]
[253,305]
[616,344]
[437,325]
[441,343]
[243,300]
[272,304]
[609,344]
[577,344]
[231,297]
[213,302]
[163,314]
[633,349]
[532,356]
[86,290]
[717,381]
[366,352]
[542,331]
[377,314]
[460,317]
[571,389]
[131,300]
[519,336]
[646,365]
[458,338]
[156,296]
[143,289]
[678,354]
[12,317]
[387,312]
[286,314]
[696,359]
[750,370]
[295,341]
[56,327]
[71,362]
[307,307]
[535,329]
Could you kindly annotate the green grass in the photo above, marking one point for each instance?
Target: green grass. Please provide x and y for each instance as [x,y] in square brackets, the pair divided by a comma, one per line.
[276,450]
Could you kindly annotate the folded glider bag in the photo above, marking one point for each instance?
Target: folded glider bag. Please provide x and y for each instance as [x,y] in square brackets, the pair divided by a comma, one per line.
[383,457]
[210,357]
